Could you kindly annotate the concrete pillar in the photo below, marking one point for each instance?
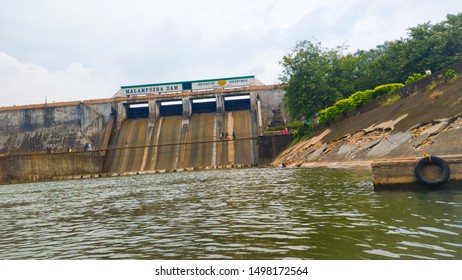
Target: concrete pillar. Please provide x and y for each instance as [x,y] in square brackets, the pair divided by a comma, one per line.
[187,108]
[259,119]
[153,111]
[253,126]
[220,104]
[81,110]
[121,114]
[253,102]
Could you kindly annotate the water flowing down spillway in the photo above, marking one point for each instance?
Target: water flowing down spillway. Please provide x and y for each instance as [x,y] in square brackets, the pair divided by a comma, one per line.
[120,158]
[172,143]
[240,150]
[200,145]
[140,146]
[164,144]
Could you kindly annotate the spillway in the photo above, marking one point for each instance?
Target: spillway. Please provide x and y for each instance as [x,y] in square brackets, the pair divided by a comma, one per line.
[126,149]
[199,149]
[165,143]
[240,148]
[172,143]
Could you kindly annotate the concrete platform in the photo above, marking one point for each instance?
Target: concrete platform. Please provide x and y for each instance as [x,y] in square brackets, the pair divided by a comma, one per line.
[399,174]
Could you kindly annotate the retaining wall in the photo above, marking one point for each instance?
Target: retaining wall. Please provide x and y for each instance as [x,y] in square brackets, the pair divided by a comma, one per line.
[269,147]
[73,125]
[46,167]
[400,174]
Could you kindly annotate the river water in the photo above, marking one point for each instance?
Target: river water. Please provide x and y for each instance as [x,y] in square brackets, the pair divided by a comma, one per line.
[257,213]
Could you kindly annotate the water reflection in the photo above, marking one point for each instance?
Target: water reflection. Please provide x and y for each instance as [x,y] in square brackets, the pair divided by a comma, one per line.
[231,214]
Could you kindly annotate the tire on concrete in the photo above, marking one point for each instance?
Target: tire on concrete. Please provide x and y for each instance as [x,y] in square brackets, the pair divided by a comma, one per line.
[432,160]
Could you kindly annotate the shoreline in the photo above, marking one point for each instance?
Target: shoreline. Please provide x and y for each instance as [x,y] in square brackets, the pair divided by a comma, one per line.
[337,164]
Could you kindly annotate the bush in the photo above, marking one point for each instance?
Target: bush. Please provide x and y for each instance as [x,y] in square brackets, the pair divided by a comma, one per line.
[327,115]
[304,131]
[356,100]
[361,97]
[414,78]
[294,125]
[451,76]
[291,126]
[386,89]
[344,105]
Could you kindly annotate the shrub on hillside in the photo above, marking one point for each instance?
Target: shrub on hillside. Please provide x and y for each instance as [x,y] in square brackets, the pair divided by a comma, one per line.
[361,97]
[386,89]
[356,100]
[414,78]
[291,126]
[303,131]
[451,76]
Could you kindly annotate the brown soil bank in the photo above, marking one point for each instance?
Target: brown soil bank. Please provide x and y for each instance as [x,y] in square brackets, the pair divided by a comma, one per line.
[425,120]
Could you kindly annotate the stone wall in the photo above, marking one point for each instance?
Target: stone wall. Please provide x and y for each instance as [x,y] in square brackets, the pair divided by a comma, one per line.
[60,127]
[46,167]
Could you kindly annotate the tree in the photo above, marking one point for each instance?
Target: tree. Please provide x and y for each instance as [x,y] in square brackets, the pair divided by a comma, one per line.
[434,47]
[314,78]
[454,43]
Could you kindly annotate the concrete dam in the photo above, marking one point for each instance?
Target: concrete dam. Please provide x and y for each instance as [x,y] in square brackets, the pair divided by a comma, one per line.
[142,129]
[177,141]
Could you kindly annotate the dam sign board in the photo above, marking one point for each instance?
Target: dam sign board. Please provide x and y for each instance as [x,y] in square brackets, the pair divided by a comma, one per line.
[198,85]
[223,83]
[154,89]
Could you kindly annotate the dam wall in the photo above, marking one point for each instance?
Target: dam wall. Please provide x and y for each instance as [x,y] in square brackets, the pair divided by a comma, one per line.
[270,146]
[269,102]
[47,167]
[180,133]
[206,129]
[60,126]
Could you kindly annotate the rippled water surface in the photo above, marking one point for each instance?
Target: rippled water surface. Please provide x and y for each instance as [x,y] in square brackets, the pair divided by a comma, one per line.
[228,214]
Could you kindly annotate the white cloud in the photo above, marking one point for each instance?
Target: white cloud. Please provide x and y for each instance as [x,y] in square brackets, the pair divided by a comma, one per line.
[73,50]
[26,83]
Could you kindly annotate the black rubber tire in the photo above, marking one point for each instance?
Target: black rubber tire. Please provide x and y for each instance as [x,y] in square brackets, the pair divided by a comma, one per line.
[434,160]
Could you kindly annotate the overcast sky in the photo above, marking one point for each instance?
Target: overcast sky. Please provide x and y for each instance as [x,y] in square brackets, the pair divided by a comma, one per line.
[59,50]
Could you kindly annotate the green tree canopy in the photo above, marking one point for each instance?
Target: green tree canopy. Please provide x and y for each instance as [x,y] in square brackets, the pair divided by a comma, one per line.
[314,77]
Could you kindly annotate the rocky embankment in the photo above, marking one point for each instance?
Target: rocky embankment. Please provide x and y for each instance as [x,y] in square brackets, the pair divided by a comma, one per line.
[426,120]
